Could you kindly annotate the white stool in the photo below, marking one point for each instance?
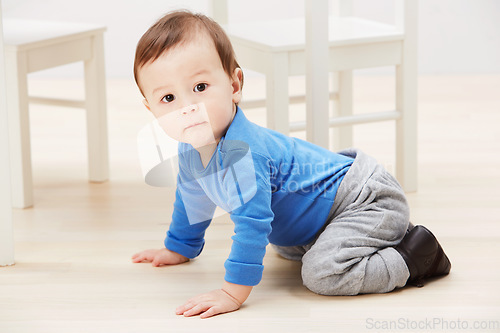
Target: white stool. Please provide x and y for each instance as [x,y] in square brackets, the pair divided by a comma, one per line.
[31,46]
[6,235]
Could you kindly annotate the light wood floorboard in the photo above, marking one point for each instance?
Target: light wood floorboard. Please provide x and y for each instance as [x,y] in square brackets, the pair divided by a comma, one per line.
[73,271]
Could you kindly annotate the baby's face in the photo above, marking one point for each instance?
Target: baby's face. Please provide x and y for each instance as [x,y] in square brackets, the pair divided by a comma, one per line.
[189,92]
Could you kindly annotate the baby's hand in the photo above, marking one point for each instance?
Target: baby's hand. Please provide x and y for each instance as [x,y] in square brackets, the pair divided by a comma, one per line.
[209,304]
[159,257]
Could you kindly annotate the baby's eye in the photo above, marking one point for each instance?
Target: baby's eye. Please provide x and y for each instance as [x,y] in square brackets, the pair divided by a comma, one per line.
[200,87]
[168,98]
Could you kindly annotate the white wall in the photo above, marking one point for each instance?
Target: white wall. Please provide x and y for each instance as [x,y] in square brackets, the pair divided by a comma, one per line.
[455,36]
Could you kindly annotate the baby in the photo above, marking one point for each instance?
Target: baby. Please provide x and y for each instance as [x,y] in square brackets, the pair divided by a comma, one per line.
[341,214]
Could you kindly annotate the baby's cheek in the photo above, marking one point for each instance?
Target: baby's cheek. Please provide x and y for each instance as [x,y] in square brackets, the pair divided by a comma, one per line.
[171,126]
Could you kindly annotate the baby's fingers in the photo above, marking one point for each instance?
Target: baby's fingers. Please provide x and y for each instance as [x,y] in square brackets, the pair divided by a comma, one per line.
[183,308]
[139,257]
[156,261]
[197,309]
[214,310]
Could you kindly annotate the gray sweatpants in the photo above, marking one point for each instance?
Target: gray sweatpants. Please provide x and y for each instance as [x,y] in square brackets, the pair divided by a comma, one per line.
[354,253]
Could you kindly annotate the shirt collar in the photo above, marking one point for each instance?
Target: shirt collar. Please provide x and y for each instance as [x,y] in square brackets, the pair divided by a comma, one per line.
[236,128]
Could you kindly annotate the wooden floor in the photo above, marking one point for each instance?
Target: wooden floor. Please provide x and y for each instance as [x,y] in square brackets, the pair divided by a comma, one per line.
[73,271]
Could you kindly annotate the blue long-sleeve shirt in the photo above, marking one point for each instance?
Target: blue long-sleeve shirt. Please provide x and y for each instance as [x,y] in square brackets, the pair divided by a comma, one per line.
[277,189]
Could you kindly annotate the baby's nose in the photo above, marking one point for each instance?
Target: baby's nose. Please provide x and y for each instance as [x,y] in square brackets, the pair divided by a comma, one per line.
[190,109]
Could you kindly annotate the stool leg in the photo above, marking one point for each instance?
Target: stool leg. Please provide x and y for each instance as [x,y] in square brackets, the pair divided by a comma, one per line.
[19,129]
[6,235]
[277,99]
[95,101]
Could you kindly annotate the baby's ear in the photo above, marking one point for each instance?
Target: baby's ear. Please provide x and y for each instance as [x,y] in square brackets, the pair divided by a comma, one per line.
[146,104]
[237,84]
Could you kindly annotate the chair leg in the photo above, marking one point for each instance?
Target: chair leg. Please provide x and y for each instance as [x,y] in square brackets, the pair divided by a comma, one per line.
[342,136]
[95,99]
[406,127]
[316,59]
[277,100]
[19,130]
[406,100]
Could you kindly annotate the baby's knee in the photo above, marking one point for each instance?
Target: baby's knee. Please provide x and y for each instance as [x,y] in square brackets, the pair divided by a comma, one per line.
[330,284]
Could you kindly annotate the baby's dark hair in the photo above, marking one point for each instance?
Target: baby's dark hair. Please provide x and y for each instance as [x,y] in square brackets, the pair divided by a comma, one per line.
[178,27]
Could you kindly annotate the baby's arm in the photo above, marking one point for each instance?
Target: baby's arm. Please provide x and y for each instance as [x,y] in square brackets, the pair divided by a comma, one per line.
[227,299]
[159,257]
[249,191]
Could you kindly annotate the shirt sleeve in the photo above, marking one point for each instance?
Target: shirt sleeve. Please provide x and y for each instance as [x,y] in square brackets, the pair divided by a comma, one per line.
[193,212]
[182,237]
[248,186]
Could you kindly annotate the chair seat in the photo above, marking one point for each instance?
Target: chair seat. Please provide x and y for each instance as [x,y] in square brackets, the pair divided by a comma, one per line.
[289,35]
[25,34]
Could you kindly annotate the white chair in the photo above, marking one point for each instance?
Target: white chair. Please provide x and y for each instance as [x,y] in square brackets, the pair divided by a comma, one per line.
[6,237]
[31,46]
[278,50]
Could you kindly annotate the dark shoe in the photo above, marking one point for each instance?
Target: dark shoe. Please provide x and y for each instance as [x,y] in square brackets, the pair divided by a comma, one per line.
[423,255]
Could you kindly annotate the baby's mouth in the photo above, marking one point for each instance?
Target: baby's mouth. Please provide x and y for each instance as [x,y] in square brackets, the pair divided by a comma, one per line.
[195,124]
